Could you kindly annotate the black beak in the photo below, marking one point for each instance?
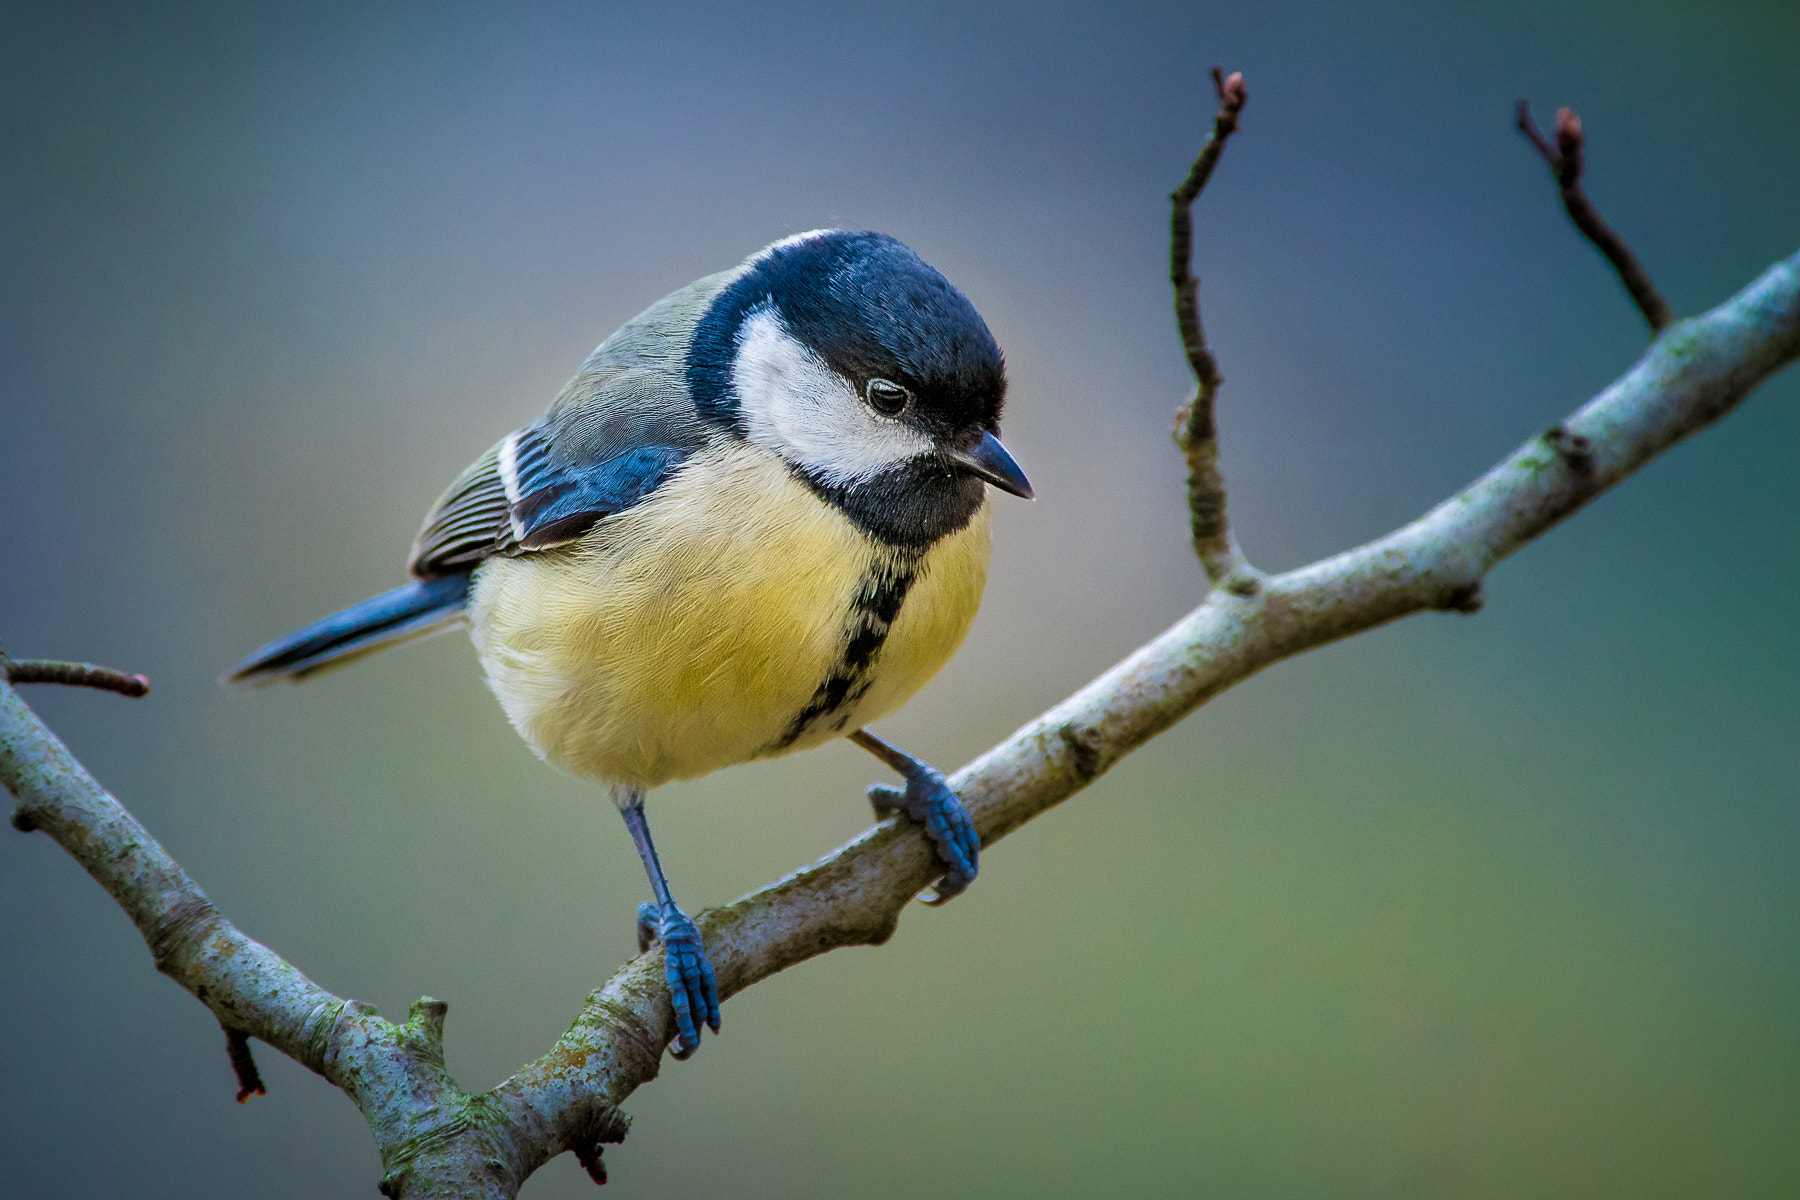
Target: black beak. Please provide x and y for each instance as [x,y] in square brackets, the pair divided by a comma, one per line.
[989,460]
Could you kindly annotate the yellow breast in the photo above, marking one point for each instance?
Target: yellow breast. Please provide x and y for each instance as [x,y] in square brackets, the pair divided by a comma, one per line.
[732,615]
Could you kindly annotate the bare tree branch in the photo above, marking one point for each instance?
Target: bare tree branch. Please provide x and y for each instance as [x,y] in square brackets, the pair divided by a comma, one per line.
[1698,371]
[437,1140]
[49,670]
[1565,159]
[388,1070]
[1196,432]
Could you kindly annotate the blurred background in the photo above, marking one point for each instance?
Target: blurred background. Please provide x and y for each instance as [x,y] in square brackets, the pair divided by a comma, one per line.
[1490,907]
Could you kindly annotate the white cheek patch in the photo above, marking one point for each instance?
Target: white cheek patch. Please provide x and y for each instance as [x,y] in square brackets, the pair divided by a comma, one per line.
[794,404]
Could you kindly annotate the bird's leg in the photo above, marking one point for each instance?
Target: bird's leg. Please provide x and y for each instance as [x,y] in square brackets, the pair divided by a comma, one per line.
[692,987]
[927,799]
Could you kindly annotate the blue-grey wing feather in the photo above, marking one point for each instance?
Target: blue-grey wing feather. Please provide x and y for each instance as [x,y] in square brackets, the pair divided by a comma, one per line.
[566,504]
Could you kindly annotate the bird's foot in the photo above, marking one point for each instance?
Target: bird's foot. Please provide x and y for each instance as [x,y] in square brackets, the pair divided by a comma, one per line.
[692,987]
[927,799]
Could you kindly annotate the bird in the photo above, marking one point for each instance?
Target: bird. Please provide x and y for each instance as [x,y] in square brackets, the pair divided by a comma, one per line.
[756,520]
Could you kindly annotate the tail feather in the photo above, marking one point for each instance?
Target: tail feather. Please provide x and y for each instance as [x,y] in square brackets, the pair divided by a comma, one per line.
[405,613]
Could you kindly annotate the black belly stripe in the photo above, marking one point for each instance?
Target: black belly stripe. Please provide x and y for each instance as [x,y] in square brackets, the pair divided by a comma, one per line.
[872,611]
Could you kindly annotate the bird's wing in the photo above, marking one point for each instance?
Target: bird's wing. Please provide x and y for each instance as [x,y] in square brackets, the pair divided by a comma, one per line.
[622,426]
[533,492]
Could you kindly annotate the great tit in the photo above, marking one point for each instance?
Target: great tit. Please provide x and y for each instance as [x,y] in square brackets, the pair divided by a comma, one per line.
[754,521]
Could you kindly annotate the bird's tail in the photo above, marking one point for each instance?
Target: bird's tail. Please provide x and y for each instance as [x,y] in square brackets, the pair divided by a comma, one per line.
[405,613]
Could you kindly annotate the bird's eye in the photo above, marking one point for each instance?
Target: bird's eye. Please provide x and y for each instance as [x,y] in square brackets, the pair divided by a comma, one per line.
[887,398]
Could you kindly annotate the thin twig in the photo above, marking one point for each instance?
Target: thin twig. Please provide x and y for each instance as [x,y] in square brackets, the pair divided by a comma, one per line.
[1565,161]
[243,1064]
[1196,432]
[49,670]
[588,1155]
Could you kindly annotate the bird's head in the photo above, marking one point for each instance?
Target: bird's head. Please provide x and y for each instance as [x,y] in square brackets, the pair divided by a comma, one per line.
[868,373]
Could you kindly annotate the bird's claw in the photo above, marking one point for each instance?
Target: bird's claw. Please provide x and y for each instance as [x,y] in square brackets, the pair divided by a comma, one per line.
[693,989]
[927,799]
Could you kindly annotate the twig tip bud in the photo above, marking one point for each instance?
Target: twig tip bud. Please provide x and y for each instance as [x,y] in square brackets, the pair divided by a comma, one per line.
[1568,130]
